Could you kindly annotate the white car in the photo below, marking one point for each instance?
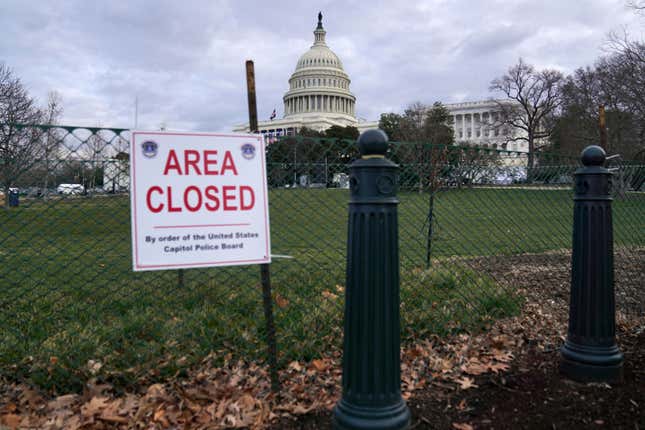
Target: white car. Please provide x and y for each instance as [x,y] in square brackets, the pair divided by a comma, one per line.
[70,189]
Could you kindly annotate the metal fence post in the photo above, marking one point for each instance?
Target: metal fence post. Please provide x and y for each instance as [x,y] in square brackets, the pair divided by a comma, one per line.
[371,351]
[590,352]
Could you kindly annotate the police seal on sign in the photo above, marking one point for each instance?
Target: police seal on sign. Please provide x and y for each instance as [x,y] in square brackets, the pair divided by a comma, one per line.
[149,148]
[248,151]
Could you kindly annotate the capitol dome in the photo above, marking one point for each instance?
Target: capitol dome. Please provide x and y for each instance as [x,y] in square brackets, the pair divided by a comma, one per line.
[319,56]
[319,85]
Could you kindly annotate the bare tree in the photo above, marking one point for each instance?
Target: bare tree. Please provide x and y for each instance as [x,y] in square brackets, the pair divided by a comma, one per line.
[412,124]
[51,139]
[583,93]
[424,129]
[637,5]
[20,146]
[536,96]
[623,74]
[426,134]
[95,152]
[617,82]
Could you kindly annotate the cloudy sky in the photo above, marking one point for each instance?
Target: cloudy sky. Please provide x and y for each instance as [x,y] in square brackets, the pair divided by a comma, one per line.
[184,59]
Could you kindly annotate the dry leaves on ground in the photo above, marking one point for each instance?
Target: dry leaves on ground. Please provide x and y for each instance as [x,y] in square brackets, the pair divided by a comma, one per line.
[238,395]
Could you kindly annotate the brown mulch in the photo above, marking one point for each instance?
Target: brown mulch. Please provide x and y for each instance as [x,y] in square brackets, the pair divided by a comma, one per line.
[534,395]
[531,395]
[506,377]
[547,276]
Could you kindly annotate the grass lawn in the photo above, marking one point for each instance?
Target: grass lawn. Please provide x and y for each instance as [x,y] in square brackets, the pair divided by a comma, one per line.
[72,307]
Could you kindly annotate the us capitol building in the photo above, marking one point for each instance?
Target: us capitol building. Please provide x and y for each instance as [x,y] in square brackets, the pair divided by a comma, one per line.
[319,97]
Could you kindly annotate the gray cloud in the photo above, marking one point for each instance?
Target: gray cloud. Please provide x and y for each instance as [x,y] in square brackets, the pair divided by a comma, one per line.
[184,60]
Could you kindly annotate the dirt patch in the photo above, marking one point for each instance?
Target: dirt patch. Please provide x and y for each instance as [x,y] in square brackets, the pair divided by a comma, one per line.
[548,276]
[534,395]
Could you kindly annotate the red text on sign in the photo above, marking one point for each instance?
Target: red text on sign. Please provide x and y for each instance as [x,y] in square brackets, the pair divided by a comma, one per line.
[194,198]
[196,162]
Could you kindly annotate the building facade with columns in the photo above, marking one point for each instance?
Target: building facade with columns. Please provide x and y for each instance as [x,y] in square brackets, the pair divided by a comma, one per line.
[480,123]
[318,96]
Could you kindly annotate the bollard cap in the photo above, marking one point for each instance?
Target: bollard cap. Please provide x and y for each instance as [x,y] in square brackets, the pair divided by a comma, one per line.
[372,142]
[593,155]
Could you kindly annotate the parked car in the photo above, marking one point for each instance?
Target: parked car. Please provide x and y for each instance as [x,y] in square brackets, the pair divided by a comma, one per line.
[70,189]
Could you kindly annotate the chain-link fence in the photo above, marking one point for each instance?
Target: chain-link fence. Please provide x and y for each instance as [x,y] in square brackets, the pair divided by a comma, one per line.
[477,227]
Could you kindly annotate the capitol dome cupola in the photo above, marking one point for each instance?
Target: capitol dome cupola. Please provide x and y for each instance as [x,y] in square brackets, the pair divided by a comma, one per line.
[319,32]
[319,84]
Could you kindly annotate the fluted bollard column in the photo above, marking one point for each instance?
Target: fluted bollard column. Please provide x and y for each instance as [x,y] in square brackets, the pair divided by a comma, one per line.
[590,352]
[371,351]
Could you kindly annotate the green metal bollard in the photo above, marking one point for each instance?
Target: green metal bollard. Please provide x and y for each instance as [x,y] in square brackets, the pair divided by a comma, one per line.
[590,352]
[371,351]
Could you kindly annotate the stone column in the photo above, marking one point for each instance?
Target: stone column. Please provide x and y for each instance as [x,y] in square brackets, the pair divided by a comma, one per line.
[472,126]
[463,126]
[490,124]
[477,120]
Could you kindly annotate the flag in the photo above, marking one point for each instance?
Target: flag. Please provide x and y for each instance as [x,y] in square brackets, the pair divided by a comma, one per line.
[273,115]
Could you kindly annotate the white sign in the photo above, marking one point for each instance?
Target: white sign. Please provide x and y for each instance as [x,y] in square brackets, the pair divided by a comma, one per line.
[198,200]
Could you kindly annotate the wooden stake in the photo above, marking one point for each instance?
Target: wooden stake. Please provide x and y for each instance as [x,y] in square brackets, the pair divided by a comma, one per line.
[265,273]
[603,127]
